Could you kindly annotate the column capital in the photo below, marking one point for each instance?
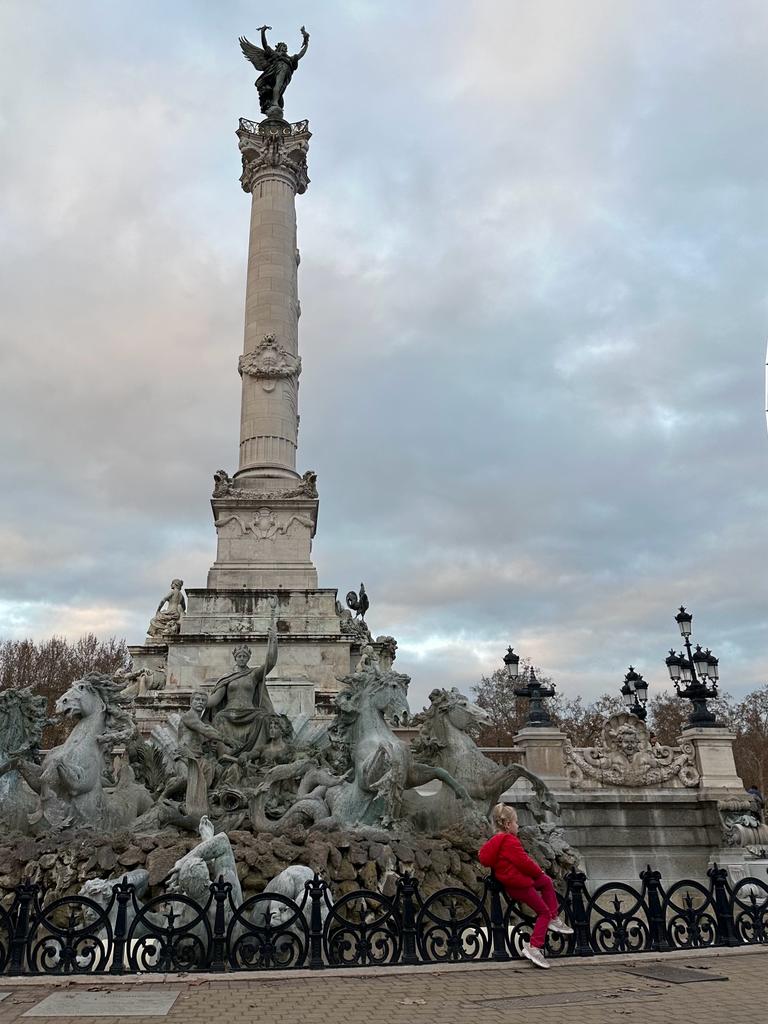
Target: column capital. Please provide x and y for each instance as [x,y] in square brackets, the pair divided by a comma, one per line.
[274,149]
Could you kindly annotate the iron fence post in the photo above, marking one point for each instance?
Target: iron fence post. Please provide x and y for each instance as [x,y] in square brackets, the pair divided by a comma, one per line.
[316,895]
[726,929]
[22,901]
[575,895]
[498,932]
[657,923]
[407,889]
[220,892]
[121,894]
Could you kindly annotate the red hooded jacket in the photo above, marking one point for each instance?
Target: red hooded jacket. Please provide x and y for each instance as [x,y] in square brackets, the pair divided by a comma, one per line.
[505,856]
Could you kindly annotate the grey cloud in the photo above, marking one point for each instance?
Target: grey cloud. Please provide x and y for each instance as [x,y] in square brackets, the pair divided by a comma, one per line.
[533,301]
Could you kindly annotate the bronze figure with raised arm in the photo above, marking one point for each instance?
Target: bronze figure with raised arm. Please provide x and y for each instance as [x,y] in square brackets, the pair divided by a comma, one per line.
[277,67]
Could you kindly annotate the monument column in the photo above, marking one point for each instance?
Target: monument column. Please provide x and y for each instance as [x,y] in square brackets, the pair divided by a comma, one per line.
[266,515]
[274,171]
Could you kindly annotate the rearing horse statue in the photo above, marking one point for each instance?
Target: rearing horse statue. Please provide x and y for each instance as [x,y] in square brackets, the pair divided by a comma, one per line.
[69,780]
[384,765]
[447,740]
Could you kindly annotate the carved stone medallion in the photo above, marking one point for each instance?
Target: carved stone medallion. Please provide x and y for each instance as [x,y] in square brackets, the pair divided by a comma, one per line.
[269,362]
[625,756]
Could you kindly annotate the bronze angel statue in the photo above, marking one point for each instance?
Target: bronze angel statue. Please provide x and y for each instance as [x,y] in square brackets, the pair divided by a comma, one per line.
[276,66]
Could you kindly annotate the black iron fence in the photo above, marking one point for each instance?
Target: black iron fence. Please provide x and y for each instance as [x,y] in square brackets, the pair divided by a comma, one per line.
[173,933]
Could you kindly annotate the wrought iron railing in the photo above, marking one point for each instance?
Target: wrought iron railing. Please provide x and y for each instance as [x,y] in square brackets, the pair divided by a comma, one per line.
[173,933]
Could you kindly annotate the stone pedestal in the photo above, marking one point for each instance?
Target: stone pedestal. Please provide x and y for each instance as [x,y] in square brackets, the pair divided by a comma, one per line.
[263,541]
[714,759]
[620,831]
[542,753]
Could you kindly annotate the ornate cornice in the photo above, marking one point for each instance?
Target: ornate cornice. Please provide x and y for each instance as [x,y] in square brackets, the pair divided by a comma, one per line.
[274,147]
[223,487]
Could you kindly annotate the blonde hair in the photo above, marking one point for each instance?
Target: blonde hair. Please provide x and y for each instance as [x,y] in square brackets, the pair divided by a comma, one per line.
[502,813]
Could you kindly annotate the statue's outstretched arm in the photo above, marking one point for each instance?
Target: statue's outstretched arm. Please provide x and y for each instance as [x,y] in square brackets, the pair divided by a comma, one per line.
[267,48]
[305,35]
[271,659]
[167,597]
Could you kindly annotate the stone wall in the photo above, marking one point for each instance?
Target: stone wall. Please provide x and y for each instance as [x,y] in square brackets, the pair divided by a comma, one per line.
[348,861]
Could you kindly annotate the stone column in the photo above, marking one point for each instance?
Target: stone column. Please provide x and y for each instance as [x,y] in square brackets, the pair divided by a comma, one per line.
[274,171]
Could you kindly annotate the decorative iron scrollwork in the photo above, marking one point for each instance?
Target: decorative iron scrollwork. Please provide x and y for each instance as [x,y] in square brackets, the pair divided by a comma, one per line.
[175,933]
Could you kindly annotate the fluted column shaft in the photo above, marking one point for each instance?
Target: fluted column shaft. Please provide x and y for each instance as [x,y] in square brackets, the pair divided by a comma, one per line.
[274,172]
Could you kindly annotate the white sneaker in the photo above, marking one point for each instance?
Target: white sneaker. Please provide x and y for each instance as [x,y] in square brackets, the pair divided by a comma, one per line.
[535,955]
[557,924]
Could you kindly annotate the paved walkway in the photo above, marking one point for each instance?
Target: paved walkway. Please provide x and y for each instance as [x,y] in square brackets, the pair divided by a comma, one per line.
[594,991]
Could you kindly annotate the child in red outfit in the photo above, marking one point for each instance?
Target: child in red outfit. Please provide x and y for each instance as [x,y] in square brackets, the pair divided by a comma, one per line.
[523,880]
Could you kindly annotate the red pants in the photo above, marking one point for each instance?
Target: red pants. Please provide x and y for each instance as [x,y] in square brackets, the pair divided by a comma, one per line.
[542,899]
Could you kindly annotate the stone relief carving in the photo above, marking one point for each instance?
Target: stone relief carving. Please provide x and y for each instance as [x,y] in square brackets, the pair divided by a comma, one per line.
[624,756]
[265,524]
[222,625]
[166,621]
[223,487]
[269,362]
[741,827]
[141,682]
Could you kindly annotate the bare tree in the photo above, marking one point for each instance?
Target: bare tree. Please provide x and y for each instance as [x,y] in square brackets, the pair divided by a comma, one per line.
[750,748]
[581,722]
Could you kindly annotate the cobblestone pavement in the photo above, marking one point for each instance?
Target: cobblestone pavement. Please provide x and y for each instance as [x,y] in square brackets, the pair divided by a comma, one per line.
[590,992]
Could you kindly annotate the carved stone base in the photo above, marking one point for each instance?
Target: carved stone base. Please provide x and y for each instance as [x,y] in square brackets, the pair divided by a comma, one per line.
[318,644]
[263,542]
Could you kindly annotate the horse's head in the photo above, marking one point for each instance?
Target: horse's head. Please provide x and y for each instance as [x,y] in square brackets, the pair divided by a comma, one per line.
[390,696]
[457,709]
[81,700]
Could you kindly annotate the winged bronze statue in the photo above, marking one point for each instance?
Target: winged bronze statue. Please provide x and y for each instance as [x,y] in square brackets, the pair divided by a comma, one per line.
[276,66]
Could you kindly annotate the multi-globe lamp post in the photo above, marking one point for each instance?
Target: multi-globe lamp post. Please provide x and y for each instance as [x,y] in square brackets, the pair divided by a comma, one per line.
[634,693]
[695,675]
[533,690]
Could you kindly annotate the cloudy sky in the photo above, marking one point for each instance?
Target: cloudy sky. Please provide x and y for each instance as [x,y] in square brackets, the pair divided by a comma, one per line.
[533,286]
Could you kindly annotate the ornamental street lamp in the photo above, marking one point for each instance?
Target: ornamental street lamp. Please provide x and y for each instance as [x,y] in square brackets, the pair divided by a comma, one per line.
[533,690]
[634,693]
[695,676]
[512,664]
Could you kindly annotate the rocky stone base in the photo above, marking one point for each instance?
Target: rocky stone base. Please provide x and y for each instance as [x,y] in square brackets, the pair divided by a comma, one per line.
[347,860]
